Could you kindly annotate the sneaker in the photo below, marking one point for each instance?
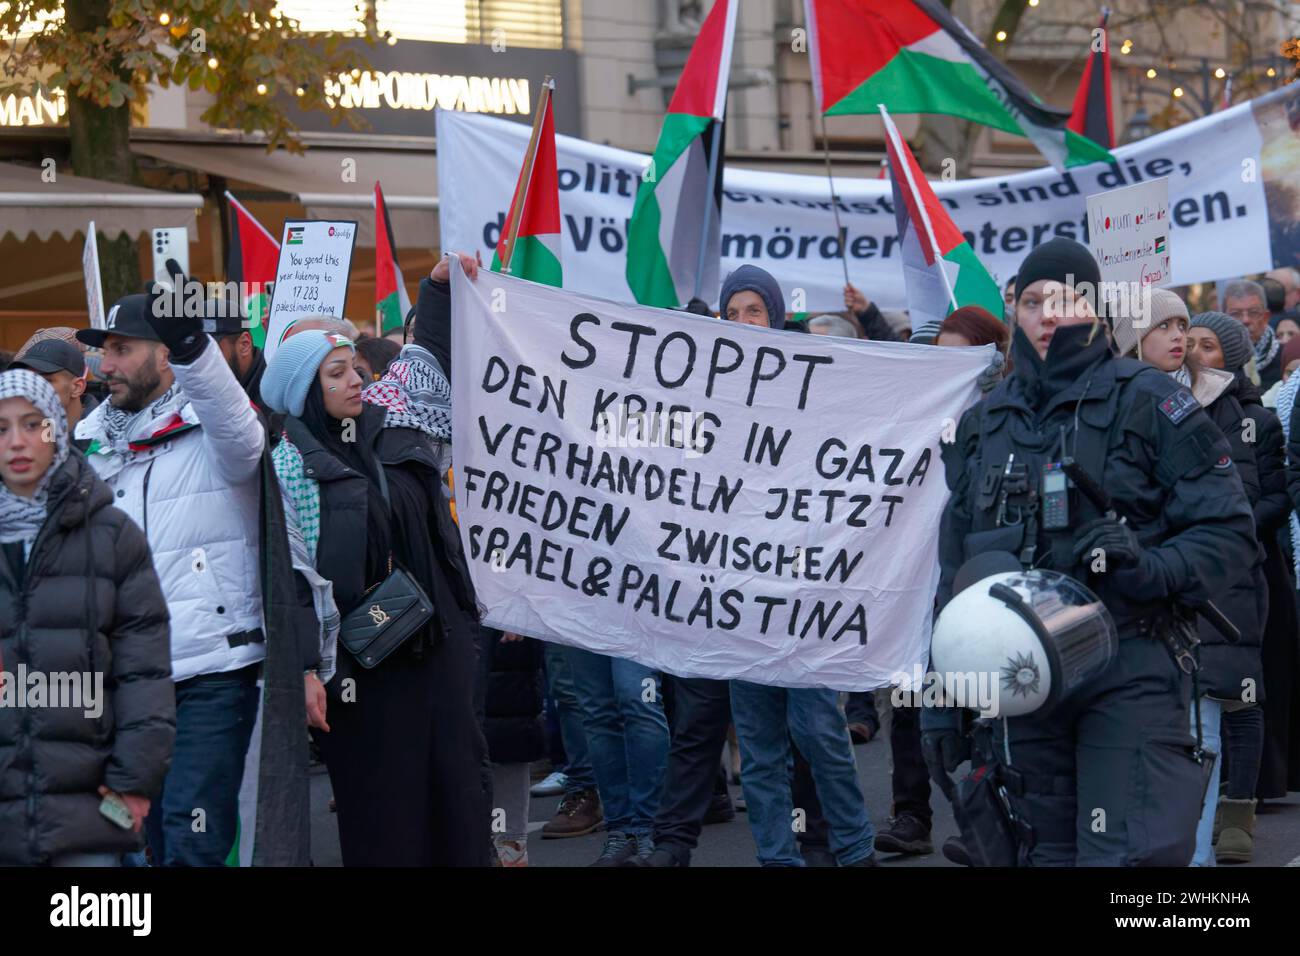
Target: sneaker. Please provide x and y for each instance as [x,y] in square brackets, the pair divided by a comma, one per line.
[619,848]
[908,834]
[869,860]
[720,809]
[512,852]
[661,858]
[578,815]
[645,846]
[552,785]
[955,852]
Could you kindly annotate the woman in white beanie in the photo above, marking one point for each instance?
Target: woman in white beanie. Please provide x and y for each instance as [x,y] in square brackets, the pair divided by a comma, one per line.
[364,472]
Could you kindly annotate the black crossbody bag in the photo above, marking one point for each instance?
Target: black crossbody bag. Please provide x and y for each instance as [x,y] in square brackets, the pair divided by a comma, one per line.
[389,612]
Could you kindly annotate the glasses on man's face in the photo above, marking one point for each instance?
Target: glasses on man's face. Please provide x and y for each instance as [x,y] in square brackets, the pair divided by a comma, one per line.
[1240,314]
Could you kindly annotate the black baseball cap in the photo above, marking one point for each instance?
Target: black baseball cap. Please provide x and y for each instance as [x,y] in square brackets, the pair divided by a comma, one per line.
[128,317]
[52,355]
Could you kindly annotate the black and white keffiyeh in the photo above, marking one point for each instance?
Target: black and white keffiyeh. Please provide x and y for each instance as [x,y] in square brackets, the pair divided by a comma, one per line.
[1266,348]
[415,393]
[20,517]
[1182,376]
[120,423]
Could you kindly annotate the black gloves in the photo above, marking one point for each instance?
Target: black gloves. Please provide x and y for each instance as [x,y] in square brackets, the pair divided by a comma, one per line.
[182,334]
[948,748]
[1118,543]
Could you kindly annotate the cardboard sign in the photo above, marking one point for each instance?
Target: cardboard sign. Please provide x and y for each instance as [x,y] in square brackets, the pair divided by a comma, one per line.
[94,284]
[311,278]
[707,498]
[1128,230]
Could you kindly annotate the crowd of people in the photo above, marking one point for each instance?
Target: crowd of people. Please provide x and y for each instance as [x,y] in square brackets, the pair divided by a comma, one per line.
[177,511]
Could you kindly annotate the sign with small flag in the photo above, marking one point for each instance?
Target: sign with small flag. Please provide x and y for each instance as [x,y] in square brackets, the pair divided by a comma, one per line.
[914,56]
[529,247]
[392,301]
[940,268]
[311,278]
[251,263]
[674,235]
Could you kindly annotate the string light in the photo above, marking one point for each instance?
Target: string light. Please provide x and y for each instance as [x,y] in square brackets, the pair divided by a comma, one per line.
[1127,47]
[1271,72]
[1151,73]
[1178,91]
[356,73]
[261,89]
[212,63]
[1033,3]
[1219,73]
[392,40]
[299,91]
[1002,35]
[164,18]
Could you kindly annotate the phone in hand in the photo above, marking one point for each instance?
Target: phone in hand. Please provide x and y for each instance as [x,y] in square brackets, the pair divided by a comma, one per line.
[115,809]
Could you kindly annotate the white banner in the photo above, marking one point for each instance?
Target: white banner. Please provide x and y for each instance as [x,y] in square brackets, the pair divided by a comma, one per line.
[311,278]
[708,498]
[782,222]
[1129,233]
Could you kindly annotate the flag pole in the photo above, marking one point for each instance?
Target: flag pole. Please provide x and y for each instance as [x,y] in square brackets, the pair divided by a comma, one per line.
[526,173]
[835,208]
[715,148]
[891,131]
[374,202]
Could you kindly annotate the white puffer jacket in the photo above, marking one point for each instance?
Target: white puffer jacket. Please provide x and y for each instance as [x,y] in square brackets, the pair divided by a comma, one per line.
[191,482]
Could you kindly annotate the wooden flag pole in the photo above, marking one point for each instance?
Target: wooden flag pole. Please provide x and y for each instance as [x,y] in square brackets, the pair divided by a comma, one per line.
[526,173]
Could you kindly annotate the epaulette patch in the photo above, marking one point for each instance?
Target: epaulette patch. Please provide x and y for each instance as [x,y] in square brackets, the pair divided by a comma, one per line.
[1179,405]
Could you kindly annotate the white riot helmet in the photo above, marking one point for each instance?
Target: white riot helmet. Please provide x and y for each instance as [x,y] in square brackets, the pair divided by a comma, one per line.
[1034,637]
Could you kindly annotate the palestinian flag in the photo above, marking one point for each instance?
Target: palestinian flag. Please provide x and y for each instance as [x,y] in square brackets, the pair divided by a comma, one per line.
[669,255]
[1091,114]
[939,266]
[254,253]
[391,299]
[914,56]
[536,203]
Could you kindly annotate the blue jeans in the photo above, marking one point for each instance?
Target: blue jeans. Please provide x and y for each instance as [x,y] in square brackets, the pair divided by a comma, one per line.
[1211,720]
[559,677]
[766,719]
[627,736]
[195,820]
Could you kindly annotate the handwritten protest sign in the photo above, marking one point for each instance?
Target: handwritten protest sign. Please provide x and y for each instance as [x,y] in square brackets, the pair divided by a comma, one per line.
[1128,231]
[94,284]
[311,278]
[712,499]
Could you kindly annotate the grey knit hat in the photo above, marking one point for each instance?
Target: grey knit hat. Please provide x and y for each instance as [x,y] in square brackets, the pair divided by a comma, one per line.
[1128,331]
[1234,340]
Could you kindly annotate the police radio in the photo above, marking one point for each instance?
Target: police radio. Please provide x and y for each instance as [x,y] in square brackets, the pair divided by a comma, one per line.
[1055,504]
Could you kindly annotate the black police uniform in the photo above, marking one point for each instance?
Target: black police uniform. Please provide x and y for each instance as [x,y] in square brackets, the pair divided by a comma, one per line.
[1106,778]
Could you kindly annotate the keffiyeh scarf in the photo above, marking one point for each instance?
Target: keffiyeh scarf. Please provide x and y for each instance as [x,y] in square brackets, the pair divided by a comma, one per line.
[415,394]
[20,517]
[120,424]
[1182,376]
[1266,348]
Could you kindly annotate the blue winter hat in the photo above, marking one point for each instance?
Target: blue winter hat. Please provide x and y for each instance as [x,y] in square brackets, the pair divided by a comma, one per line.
[753,279]
[289,375]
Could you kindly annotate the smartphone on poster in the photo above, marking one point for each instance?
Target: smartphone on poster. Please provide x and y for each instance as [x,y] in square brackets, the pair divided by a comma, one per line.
[170,244]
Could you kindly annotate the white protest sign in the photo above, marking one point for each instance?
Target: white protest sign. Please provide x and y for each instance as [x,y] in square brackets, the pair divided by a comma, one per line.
[1219,167]
[707,498]
[311,278]
[94,284]
[1128,232]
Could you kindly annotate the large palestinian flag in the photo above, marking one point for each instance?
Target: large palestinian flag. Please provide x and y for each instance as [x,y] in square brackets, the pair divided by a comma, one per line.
[669,254]
[940,268]
[914,56]
[254,253]
[392,301]
[536,203]
[1091,114]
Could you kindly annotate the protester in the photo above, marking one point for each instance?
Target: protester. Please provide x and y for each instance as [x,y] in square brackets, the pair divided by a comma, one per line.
[1247,302]
[1285,326]
[403,748]
[64,367]
[972,325]
[579,812]
[246,360]
[872,324]
[374,356]
[510,669]
[1290,362]
[78,595]
[831,324]
[1290,281]
[1144,440]
[176,430]
[1219,342]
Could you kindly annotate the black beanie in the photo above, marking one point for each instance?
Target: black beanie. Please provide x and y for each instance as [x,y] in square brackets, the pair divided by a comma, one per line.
[1063,260]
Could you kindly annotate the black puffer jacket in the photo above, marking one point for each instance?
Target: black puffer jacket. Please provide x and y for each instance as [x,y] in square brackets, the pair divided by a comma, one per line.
[90,562]
[513,702]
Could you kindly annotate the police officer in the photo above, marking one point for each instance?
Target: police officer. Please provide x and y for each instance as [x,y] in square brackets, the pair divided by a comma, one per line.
[1107,777]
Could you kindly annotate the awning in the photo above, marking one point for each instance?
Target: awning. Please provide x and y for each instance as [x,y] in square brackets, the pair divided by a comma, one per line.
[319,178]
[31,206]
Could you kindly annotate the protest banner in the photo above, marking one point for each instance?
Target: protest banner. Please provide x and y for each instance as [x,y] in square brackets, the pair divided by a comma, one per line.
[311,278]
[1233,201]
[708,498]
[1128,231]
[94,283]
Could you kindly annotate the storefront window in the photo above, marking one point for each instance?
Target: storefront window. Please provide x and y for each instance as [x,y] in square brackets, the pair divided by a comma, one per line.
[535,24]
